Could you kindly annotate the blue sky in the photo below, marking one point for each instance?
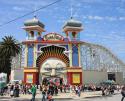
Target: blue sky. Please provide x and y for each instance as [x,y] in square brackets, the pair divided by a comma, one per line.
[103,20]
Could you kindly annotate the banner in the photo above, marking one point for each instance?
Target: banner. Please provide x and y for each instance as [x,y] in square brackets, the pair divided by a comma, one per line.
[53,37]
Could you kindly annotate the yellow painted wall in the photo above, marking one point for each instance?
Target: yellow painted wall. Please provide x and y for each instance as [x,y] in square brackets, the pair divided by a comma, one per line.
[76,78]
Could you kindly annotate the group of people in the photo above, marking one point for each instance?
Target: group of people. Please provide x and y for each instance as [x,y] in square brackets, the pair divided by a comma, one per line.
[47,91]
[108,89]
[12,90]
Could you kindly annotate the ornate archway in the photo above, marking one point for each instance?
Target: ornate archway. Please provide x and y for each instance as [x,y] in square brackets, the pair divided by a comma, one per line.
[52,55]
[52,52]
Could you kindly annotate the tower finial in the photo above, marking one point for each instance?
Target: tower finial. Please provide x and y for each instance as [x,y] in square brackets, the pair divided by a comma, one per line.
[34,14]
[71,11]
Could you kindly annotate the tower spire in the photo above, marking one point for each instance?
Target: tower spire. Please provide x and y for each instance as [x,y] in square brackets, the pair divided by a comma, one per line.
[34,14]
[71,9]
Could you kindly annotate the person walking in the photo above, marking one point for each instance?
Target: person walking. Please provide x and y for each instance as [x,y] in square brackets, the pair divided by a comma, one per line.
[33,91]
[76,89]
[12,90]
[123,93]
[65,88]
[44,95]
[43,89]
[16,90]
[79,91]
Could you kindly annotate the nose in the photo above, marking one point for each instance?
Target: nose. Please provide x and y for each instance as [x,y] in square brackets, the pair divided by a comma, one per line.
[53,73]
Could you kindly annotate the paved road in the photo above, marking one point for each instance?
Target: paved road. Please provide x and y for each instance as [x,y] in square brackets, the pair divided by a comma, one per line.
[109,98]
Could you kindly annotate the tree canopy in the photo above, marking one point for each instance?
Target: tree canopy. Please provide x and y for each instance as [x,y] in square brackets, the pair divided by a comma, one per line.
[8,48]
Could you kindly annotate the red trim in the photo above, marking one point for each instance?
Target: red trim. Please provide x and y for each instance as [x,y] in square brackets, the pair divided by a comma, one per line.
[69,74]
[70,78]
[53,42]
[35,77]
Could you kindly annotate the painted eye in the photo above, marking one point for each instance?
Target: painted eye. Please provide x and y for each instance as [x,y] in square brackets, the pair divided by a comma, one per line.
[59,69]
[48,69]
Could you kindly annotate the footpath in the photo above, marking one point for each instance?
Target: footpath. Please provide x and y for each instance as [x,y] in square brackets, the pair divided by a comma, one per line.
[63,95]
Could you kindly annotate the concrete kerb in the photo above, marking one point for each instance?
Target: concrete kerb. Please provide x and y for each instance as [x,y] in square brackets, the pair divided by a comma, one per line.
[93,96]
[63,98]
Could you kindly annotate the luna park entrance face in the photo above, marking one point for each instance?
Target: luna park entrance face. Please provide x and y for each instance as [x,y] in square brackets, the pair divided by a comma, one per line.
[53,71]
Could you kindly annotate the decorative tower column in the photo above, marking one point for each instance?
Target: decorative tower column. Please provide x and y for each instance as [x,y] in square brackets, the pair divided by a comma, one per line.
[72,30]
[34,29]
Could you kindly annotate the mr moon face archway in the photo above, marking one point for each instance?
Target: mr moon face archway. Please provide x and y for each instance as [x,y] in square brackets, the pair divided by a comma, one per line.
[53,68]
[51,60]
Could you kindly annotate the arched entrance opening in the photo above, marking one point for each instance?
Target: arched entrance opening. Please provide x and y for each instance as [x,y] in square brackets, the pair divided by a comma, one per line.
[53,64]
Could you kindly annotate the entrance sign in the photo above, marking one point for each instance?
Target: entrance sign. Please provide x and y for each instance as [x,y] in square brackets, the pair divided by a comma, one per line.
[53,37]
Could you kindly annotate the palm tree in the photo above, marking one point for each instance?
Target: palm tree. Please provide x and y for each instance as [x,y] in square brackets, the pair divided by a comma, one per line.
[8,48]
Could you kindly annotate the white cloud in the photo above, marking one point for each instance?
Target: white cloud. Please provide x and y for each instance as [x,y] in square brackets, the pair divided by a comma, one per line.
[112,37]
[93,1]
[121,18]
[95,17]
[84,17]
[98,18]
[108,18]
[25,2]
[17,8]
